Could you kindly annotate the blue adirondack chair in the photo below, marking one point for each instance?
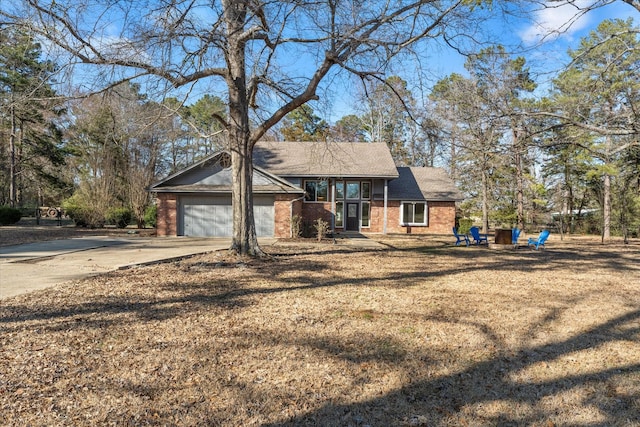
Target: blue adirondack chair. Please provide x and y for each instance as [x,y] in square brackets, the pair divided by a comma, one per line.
[540,241]
[515,234]
[460,237]
[478,238]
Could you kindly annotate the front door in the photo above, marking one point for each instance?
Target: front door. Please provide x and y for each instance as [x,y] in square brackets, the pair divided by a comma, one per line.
[353,217]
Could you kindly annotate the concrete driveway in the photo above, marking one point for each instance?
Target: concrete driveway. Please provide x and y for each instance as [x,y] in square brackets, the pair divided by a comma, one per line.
[24,268]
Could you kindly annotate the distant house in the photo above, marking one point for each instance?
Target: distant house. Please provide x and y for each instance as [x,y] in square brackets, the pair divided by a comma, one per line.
[355,187]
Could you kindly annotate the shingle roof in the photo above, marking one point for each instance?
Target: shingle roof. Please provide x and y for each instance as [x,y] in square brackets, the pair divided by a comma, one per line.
[421,183]
[209,176]
[325,159]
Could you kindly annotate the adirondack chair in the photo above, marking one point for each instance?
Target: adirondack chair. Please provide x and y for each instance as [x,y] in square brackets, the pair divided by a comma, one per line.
[540,241]
[515,234]
[478,238]
[460,237]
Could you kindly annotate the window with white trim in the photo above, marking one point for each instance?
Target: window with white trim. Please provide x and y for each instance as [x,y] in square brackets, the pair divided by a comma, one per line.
[366,190]
[366,214]
[413,213]
[353,190]
[339,190]
[340,214]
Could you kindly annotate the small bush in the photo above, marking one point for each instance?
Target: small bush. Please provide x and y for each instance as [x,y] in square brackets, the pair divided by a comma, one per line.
[9,215]
[120,217]
[83,212]
[465,225]
[151,216]
[322,228]
[296,226]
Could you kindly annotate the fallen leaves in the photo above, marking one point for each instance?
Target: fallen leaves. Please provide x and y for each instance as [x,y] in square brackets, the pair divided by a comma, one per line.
[420,333]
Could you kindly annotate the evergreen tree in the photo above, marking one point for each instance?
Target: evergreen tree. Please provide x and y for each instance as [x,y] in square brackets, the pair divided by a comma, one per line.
[29,114]
[599,95]
[302,124]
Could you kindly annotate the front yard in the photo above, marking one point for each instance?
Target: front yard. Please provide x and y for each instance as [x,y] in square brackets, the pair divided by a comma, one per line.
[417,333]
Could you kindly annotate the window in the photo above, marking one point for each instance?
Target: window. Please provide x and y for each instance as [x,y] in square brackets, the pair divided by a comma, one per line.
[366,208]
[366,190]
[414,213]
[353,190]
[339,214]
[316,191]
[339,190]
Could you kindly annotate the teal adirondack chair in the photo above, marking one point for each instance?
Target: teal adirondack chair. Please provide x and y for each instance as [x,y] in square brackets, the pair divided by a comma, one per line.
[460,237]
[515,234]
[540,241]
[478,238]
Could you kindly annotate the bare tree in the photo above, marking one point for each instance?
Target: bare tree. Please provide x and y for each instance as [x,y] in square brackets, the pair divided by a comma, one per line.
[270,57]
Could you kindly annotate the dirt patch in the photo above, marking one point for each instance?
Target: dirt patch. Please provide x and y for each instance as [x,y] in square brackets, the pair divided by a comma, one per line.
[418,333]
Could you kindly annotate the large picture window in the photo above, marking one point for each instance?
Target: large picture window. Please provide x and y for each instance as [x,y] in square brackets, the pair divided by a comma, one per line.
[414,213]
[316,191]
[353,190]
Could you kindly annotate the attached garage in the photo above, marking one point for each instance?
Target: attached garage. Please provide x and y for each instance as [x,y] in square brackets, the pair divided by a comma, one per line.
[196,201]
[212,216]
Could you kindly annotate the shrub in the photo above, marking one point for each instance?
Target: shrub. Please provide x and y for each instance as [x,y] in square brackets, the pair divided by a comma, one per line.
[83,213]
[296,226]
[322,228]
[465,225]
[120,217]
[151,216]
[9,215]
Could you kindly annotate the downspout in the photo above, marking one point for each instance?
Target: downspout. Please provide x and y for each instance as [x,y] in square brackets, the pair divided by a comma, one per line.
[384,221]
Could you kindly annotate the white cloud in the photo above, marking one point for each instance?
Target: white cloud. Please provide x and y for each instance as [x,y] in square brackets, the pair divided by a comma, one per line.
[556,19]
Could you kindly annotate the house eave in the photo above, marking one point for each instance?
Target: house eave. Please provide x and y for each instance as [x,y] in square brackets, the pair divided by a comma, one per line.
[225,189]
[339,177]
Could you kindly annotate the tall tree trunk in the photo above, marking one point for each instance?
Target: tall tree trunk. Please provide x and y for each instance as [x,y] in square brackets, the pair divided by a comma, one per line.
[606,197]
[485,202]
[606,208]
[519,182]
[245,241]
[12,161]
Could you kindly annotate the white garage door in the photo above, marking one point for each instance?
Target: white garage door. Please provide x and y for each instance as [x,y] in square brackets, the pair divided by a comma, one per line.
[213,216]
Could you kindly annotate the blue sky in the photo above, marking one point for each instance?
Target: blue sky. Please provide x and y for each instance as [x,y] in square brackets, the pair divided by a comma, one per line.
[543,40]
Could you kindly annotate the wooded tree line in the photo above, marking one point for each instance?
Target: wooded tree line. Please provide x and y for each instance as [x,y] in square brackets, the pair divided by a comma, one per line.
[91,154]
[518,156]
[515,155]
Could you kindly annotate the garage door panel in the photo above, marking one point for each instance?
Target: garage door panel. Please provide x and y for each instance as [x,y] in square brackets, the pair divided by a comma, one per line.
[213,216]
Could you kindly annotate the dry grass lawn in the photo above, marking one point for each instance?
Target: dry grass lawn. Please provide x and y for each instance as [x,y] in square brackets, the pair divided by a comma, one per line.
[417,333]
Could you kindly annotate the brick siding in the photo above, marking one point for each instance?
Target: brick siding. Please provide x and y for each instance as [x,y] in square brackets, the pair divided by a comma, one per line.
[441,216]
[284,211]
[167,223]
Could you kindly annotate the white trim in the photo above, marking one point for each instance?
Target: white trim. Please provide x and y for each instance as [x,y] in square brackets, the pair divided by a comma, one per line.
[362,202]
[384,213]
[414,202]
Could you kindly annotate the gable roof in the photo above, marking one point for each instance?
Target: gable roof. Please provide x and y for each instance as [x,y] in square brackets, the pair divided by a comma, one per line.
[422,183]
[325,159]
[208,175]
[274,162]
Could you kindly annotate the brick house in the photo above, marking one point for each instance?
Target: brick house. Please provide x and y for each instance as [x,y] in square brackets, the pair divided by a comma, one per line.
[355,187]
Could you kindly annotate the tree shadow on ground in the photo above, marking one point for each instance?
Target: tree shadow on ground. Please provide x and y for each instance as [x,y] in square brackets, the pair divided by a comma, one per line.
[437,401]
[235,294]
[449,399]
